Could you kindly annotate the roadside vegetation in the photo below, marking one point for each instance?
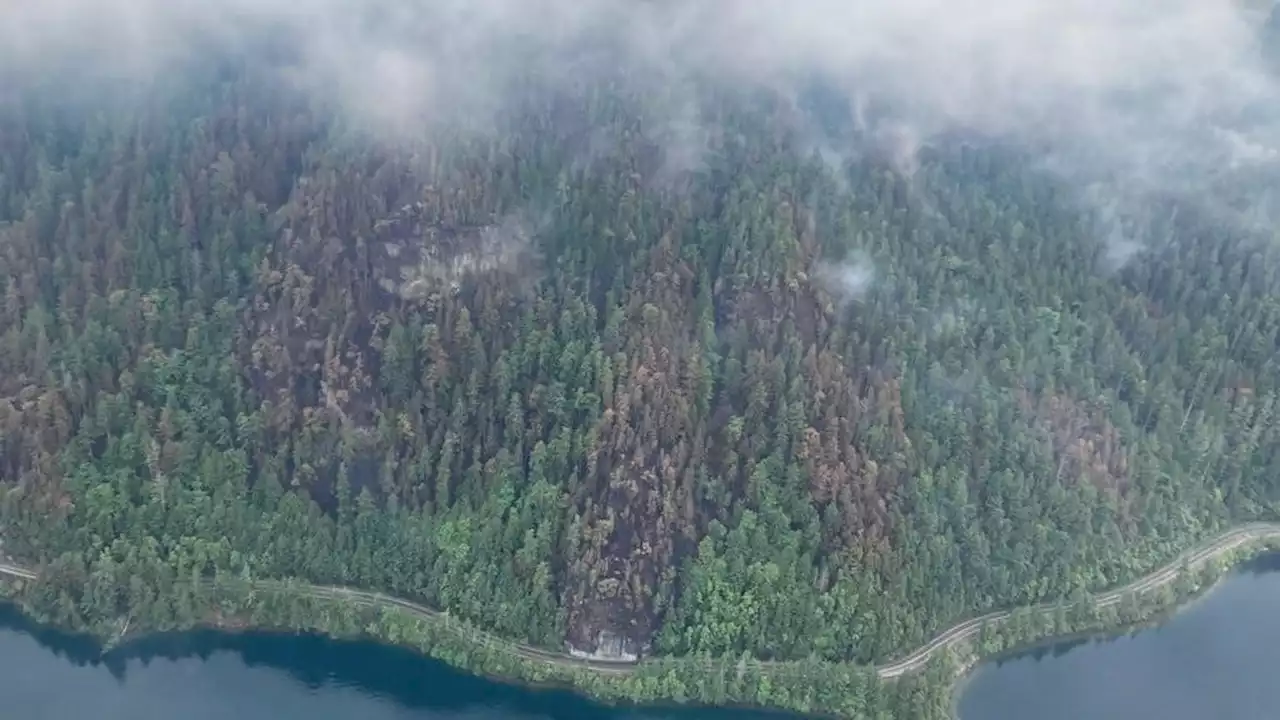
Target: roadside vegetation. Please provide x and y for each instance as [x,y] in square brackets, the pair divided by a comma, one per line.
[778,417]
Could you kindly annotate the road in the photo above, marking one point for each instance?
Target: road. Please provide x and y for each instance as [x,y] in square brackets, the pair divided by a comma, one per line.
[1196,557]
[913,662]
[378,600]
[15,571]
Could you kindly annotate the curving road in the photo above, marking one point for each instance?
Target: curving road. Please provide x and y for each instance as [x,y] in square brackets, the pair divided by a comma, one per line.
[913,662]
[1195,557]
[378,600]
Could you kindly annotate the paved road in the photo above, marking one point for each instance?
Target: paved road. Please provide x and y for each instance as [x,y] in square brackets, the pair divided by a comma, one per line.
[372,599]
[15,571]
[1196,557]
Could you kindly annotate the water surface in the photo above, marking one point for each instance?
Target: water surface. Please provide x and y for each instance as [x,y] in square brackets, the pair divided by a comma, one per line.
[1214,660]
[48,675]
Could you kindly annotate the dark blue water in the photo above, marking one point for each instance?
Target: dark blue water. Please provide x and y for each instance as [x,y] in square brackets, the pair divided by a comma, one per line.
[47,675]
[1215,660]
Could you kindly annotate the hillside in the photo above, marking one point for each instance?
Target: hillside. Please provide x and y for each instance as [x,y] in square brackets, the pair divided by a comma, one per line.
[595,379]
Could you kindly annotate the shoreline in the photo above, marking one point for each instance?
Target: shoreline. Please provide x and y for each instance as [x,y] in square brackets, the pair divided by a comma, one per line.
[1206,552]
[943,665]
[1219,573]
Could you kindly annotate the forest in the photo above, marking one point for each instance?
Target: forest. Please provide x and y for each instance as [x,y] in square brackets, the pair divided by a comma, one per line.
[576,390]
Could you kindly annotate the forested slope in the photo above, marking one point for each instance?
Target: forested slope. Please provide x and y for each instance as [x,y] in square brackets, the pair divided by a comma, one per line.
[562,380]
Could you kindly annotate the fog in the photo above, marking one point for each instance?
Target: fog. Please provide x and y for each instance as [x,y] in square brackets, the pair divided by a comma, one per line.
[1152,94]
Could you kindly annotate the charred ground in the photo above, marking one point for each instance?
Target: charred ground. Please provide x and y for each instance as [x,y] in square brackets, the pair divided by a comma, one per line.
[575,385]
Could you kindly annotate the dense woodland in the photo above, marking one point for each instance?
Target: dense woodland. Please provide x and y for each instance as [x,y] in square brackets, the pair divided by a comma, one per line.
[560,380]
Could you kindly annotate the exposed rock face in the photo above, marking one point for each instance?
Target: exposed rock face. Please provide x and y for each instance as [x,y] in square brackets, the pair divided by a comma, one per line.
[609,647]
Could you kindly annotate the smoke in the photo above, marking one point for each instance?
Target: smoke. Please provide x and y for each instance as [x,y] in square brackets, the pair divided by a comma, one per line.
[849,280]
[1118,227]
[684,138]
[954,318]
[1154,94]
[1120,250]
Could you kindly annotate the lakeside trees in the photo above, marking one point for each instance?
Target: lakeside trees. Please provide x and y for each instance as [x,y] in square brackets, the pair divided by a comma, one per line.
[756,407]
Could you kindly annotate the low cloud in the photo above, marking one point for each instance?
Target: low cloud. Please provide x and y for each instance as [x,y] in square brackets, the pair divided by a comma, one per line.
[1155,95]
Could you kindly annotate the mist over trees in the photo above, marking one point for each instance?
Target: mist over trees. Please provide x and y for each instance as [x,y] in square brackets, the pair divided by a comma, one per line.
[789,329]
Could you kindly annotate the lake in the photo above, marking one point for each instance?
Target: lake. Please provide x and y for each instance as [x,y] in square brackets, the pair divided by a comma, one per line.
[1215,659]
[48,675]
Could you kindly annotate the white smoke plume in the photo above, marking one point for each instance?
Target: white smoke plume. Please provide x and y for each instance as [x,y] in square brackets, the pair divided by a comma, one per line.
[848,280]
[1160,94]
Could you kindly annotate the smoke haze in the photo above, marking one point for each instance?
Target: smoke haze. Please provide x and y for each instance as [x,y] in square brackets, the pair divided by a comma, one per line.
[1156,94]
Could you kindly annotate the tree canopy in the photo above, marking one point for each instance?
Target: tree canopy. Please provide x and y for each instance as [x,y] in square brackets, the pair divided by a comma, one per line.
[562,381]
